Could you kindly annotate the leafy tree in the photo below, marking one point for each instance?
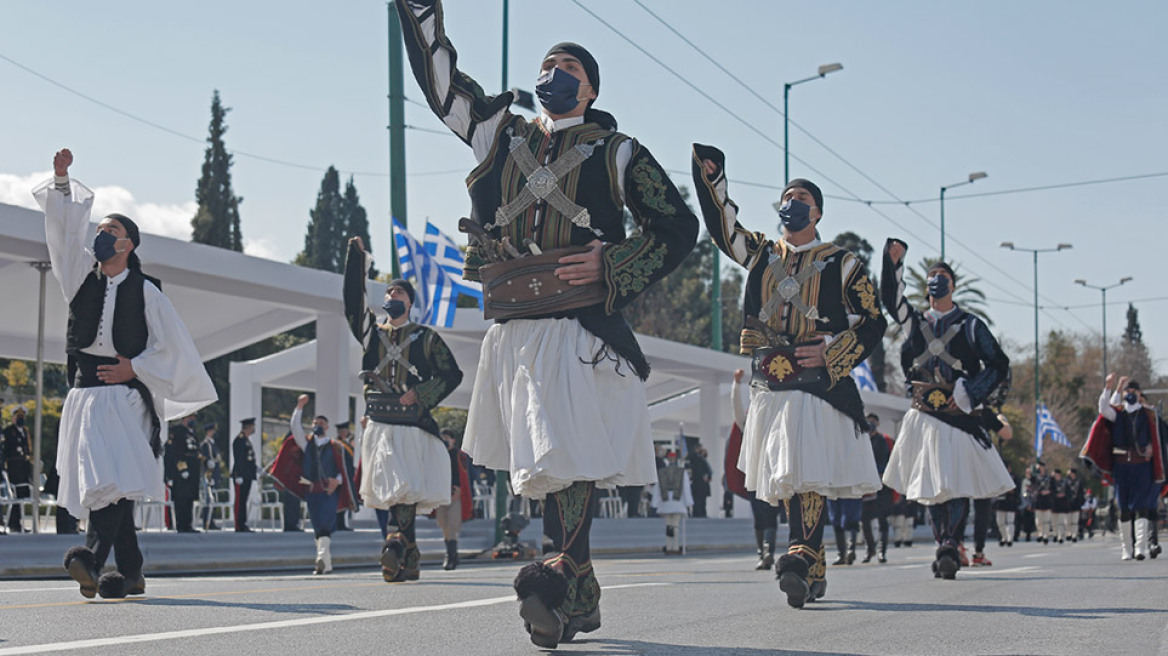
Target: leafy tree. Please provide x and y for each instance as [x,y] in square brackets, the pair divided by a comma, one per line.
[216,222]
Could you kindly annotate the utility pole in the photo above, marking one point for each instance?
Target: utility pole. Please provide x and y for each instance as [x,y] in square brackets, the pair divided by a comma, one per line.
[397,131]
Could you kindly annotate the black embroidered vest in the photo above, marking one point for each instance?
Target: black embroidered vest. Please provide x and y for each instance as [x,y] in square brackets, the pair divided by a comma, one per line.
[129,331]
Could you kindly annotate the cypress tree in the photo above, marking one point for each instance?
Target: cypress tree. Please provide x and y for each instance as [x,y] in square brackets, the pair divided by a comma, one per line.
[356,221]
[216,223]
[325,236]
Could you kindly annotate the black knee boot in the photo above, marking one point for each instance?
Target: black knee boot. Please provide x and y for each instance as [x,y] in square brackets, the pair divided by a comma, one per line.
[451,561]
[841,545]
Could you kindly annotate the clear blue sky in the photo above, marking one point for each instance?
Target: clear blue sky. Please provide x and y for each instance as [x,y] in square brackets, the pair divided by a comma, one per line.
[1034,93]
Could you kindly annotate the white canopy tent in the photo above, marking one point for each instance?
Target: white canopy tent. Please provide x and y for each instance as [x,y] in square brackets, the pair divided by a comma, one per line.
[229,300]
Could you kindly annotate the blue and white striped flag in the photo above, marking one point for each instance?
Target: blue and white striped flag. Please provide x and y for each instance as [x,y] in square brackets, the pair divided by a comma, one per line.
[864,378]
[437,273]
[451,260]
[1046,425]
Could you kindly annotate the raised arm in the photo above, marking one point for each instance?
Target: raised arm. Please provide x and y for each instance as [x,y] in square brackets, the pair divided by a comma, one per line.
[66,204]
[719,212]
[892,282]
[1105,408]
[666,232]
[867,324]
[454,97]
[296,425]
[361,320]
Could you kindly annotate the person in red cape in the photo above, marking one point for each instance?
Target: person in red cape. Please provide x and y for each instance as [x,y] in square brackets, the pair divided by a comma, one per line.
[314,470]
[1124,444]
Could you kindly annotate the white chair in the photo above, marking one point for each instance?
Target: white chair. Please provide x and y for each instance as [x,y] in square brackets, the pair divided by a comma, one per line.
[483,500]
[612,506]
[219,501]
[272,503]
[14,494]
[153,510]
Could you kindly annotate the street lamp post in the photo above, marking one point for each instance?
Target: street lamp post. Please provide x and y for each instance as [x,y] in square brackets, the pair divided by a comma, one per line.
[972,178]
[1104,288]
[1010,245]
[822,71]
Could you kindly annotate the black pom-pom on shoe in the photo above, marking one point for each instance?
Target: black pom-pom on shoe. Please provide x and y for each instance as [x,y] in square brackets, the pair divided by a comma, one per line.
[82,567]
[112,585]
[543,581]
[792,572]
[393,554]
[542,591]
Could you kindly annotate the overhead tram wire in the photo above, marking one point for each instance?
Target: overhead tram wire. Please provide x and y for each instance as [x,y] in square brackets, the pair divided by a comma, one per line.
[1019,190]
[200,141]
[855,197]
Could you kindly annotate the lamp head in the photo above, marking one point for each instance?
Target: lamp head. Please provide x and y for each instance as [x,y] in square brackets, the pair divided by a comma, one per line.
[977,176]
[1125,279]
[1008,244]
[830,68]
[1080,281]
[1065,247]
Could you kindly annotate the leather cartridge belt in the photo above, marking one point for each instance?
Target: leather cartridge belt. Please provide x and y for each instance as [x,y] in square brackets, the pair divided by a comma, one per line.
[1121,456]
[527,287]
[387,408]
[777,368]
[933,398]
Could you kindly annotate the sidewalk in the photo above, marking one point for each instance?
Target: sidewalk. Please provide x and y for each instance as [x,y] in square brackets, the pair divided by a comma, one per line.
[39,556]
[26,556]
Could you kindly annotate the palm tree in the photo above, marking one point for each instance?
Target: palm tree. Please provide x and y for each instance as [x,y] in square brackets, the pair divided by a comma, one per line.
[966,292]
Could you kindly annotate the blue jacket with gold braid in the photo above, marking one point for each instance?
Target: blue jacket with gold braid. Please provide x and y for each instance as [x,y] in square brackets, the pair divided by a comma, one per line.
[841,293]
[599,171]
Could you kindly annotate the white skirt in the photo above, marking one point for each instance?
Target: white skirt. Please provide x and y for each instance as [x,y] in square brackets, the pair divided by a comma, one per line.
[795,442]
[933,462]
[541,411]
[403,465]
[103,450]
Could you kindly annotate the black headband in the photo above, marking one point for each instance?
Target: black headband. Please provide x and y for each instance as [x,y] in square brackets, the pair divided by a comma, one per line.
[591,68]
[131,228]
[811,187]
[405,285]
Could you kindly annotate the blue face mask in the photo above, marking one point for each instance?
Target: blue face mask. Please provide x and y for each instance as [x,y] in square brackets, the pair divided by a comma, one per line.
[795,215]
[1130,398]
[557,91]
[938,286]
[104,246]
[318,430]
[394,307]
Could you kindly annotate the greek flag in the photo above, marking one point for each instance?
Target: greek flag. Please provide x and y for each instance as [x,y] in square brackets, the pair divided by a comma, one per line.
[436,266]
[1046,425]
[864,378]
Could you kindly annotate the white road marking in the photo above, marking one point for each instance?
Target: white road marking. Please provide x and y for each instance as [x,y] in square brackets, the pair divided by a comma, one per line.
[1036,555]
[991,570]
[264,626]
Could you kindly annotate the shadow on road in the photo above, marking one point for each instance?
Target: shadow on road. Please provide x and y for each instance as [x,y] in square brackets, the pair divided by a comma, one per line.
[618,647]
[1027,611]
[314,609]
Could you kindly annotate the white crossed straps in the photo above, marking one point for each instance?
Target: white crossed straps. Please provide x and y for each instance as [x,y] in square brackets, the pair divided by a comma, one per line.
[543,182]
[938,346]
[789,289]
[396,353]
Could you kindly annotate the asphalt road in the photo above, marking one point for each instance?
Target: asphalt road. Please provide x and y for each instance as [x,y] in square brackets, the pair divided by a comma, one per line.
[1069,599]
